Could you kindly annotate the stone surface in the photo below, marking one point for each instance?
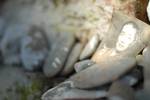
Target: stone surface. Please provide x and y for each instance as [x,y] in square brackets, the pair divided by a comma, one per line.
[79,66]
[58,54]
[119,91]
[72,58]
[130,36]
[34,48]
[114,52]
[10,43]
[104,72]
[90,47]
[64,91]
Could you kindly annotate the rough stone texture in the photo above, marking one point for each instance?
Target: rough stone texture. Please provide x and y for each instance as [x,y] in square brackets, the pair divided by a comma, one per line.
[64,91]
[34,48]
[10,43]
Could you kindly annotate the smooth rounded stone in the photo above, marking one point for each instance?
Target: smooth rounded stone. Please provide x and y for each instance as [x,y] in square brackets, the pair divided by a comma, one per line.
[65,91]
[58,54]
[72,58]
[90,47]
[130,36]
[10,43]
[15,84]
[132,78]
[34,48]
[106,71]
[119,91]
[79,66]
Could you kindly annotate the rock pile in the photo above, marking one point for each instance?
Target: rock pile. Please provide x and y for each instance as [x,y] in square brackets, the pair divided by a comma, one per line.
[98,46]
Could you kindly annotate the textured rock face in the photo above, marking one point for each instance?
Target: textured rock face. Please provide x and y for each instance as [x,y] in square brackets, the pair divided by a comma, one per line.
[10,43]
[34,48]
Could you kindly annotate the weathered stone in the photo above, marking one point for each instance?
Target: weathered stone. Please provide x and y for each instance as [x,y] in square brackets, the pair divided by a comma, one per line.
[10,43]
[104,72]
[58,54]
[72,58]
[65,91]
[119,91]
[90,47]
[79,66]
[34,48]
[136,8]
[130,36]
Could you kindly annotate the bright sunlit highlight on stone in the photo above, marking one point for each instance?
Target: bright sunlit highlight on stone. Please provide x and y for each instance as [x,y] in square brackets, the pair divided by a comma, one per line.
[127,36]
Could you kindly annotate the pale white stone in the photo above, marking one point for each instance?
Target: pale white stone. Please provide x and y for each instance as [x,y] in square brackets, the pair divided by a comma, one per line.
[127,36]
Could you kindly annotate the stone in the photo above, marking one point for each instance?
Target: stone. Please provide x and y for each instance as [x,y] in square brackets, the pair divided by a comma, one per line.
[119,91]
[10,43]
[65,91]
[34,48]
[72,58]
[104,72]
[136,8]
[90,47]
[130,36]
[132,78]
[79,66]
[58,54]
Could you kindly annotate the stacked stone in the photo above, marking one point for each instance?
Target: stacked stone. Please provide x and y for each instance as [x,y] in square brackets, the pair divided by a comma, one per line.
[114,62]
[100,51]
